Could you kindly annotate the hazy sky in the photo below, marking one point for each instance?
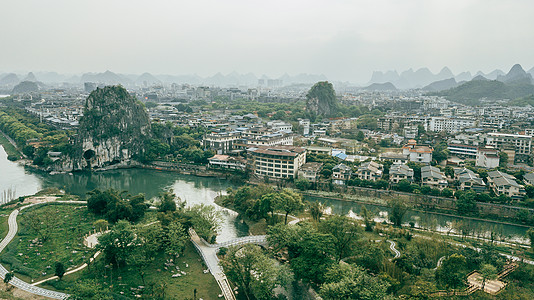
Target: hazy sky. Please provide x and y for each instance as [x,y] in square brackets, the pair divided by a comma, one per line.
[344,40]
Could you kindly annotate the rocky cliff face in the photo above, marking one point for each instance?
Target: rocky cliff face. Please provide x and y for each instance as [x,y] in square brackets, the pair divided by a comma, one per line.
[112,130]
[321,99]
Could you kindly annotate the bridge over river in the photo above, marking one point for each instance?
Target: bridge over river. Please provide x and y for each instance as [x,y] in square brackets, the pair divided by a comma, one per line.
[209,255]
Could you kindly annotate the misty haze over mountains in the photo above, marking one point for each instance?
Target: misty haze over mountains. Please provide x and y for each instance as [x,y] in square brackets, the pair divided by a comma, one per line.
[422,78]
[108,77]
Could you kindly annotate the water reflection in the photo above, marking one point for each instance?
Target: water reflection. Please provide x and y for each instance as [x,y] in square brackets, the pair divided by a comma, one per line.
[441,223]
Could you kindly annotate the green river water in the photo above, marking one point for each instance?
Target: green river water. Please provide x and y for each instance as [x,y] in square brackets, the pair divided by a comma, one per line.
[16,180]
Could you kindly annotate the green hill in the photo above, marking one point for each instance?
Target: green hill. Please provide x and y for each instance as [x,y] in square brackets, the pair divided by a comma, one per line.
[471,92]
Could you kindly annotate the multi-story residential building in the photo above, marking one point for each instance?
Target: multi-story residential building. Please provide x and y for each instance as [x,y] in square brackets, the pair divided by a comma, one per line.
[251,137]
[396,158]
[222,142]
[319,150]
[370,171]
[433,177]
[305,123]
[310,171]
[528,178]
[340,174]
[227,162]
[421,154]
[469,180]
[277,161]
[277,126]
[399,172]
[410,132]
[521,143]
[468,151]
[505,184]
[487,158]
[450,125]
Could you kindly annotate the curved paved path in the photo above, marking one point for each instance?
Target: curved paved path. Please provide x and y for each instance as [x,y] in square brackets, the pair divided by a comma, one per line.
[13,228]
[392,245]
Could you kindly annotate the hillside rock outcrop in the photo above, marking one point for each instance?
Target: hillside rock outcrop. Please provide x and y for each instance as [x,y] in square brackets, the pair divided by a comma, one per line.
[112,131]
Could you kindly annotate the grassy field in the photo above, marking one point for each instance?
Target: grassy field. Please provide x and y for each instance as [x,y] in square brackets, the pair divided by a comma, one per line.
[8,147]
[126,281]
[33,260]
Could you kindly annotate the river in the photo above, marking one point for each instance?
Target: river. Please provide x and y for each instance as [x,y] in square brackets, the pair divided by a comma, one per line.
[16,180]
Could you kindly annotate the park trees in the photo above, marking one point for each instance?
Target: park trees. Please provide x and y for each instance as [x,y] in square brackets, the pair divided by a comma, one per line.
[345,281]
[254,272]
[398,209]
[530,234]
[466,203]
[310,251]
[316,209]
[42,224]
[59,270]
[452,271]
[167,201]
[288,201]
[205,219]
[117,244]
[488,272]
[344,233]
[115,205]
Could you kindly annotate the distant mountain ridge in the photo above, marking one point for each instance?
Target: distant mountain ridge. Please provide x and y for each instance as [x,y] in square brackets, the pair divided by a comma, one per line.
[513,85]
[388,86]
[423,77]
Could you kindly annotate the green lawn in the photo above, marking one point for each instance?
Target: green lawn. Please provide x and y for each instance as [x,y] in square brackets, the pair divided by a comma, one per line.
[122,281]
[34,260]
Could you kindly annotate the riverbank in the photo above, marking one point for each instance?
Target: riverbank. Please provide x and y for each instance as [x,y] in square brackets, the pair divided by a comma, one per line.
[381,202]
[12,153]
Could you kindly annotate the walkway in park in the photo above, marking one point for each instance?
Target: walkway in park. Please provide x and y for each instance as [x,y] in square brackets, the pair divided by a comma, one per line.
[209,255]
[13,228]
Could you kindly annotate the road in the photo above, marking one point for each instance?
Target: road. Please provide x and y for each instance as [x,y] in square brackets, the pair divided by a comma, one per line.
[13,228]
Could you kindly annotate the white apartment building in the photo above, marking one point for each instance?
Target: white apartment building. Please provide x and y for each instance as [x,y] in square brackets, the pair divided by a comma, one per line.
[277,126]
[450,125]
[463,150]
[277,162]
[487,158]
[421,154]
[221,143]
[522,143]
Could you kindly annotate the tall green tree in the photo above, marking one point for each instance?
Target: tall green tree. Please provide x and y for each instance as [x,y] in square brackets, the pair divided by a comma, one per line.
[345,281]
[256,274]
[398,210]
[117,244]
[452,271]
[488,272]
[344,231]
[288,202]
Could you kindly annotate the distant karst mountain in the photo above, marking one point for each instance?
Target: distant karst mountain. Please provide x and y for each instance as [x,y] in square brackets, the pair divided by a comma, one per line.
[25,87]
[107,77]
[147,78]
[10,79]
[423,77]
[30,77]
[388,86]
[513,85]
[516,75]
[441,85]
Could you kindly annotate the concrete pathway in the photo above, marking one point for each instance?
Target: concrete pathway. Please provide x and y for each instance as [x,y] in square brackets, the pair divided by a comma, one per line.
[13,228]
[392,245]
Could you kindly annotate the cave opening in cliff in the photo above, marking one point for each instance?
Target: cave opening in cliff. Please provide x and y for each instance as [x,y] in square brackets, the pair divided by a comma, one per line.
[88,154]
